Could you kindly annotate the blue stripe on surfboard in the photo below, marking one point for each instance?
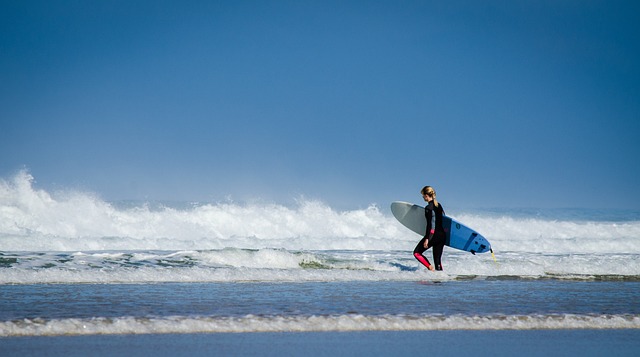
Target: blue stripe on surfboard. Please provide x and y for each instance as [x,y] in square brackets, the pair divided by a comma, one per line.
[473,236]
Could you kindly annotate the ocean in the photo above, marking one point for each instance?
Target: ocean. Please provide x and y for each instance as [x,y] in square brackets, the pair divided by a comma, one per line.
[79,274]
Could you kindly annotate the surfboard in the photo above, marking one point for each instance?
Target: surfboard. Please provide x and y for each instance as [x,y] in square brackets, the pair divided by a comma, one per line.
[459,236]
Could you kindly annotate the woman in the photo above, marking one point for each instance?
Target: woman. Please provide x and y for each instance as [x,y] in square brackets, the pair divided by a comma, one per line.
[435,236]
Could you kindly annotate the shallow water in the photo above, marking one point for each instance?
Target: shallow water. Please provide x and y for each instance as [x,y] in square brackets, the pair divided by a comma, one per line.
[73,264]
[59,309]
[583,343]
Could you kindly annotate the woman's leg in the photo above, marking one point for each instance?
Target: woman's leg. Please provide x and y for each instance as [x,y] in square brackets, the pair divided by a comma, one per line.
[437,255]
[417,253]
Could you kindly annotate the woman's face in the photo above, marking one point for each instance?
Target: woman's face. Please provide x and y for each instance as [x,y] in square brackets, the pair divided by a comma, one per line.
[427,198]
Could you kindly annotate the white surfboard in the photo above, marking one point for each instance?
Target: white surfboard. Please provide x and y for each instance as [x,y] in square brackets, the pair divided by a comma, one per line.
[459,236]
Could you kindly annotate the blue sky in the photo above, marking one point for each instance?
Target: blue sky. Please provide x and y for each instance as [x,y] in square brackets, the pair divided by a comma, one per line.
[494,103]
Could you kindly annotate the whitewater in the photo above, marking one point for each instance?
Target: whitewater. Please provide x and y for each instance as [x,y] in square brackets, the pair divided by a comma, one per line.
[312,261]
[72,236]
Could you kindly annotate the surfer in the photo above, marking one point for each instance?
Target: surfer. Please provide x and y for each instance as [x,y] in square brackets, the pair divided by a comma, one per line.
[436,235]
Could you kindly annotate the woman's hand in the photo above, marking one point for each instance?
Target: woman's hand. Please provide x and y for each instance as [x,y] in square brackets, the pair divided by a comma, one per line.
[426,244]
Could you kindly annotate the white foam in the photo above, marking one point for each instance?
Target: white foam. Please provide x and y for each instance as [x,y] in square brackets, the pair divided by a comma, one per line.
[101,242]
[191,275]
[251,323]
[35,220]
[556,236]
[270,265]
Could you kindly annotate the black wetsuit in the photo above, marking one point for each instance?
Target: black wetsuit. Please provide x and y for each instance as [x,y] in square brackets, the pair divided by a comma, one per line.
[436,241]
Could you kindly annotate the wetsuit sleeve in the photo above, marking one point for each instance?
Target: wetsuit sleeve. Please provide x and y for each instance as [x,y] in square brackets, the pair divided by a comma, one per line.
[427,214]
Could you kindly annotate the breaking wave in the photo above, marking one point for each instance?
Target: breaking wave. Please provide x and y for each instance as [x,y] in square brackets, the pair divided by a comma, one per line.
[355,322]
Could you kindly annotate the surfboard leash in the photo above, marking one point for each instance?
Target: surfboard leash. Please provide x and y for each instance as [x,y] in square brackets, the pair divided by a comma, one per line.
[493,255]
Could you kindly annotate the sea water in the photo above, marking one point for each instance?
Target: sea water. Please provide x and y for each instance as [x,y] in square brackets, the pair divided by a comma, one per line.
[74,264]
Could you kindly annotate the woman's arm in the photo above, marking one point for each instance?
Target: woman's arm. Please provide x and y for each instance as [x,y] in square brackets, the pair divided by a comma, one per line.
[428,235]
